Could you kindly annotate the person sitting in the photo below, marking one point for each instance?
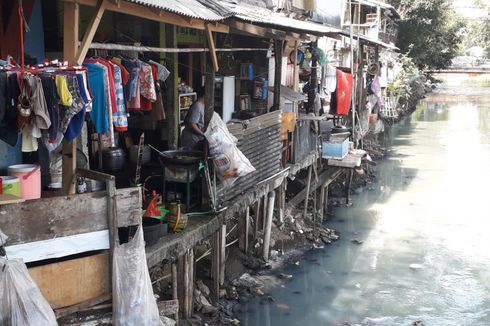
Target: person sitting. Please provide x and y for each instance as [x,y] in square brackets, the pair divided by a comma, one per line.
[193,134]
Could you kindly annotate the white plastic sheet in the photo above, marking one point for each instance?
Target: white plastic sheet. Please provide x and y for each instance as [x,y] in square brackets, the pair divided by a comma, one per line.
[21,301]
[229,161]
[135,303]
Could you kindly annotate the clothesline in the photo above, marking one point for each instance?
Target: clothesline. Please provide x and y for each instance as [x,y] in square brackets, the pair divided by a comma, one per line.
[121,47]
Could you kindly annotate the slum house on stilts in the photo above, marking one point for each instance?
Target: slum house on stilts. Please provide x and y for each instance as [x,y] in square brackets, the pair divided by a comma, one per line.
[248,61]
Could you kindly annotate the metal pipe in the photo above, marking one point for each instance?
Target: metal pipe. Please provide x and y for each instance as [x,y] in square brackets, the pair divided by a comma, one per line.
[122,47]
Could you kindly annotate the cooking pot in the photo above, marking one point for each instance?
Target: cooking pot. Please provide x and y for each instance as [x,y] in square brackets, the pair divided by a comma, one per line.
[113,159]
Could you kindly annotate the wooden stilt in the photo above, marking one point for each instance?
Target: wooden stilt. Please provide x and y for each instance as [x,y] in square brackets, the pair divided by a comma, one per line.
[264,211]
[175,295]
[268,225]
[348,186]
[215,264]
[322,204]
[190,283]
[326,201]
[308,186]
[222,254]
[257,218]
[186,289]
[280,204]
[243,228]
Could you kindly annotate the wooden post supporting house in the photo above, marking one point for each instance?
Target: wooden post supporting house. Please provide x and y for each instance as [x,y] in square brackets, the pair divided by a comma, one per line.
[243,228]
[175,293]
[185,271]
[308,185]
[71,20]
[268,226]
[215,263]
[222,254]
[171,100]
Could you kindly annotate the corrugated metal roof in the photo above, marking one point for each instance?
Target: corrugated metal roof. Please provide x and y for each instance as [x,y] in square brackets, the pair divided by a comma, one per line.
[290,94]
[369,40]
[383,5]
[265,16]
[189,8]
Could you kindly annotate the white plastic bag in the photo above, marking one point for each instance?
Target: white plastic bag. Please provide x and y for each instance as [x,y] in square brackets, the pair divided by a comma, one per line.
[136,304]
[229,161]
[21,301]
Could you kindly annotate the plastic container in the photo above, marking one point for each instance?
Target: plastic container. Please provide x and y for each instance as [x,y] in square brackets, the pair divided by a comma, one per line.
[151,230]
[163,229]
[11,185]
[30,179]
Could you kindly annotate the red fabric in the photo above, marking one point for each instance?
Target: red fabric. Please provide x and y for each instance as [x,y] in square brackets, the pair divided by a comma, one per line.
[345,82]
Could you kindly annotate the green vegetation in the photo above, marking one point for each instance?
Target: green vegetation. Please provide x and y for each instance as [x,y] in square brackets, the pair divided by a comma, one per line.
[429,32]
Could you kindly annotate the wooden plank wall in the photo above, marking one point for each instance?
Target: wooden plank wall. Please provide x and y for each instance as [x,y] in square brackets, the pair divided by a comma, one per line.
[71,282]
[260,142]
[49,218]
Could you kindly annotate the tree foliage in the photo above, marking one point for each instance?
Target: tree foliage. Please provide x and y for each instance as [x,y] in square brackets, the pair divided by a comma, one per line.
[429,32]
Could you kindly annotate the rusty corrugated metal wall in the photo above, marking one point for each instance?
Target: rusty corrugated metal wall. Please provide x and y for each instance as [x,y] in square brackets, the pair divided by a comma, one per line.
[260,142]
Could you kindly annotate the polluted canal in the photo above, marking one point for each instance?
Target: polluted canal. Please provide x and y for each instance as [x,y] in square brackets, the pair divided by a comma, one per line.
[415,245]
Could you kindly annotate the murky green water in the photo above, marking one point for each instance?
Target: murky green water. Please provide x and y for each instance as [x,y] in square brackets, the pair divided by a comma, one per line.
[425,230]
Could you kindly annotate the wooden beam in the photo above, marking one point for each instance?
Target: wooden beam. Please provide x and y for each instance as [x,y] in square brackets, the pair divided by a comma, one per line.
[90,32]
[278,50]
[71,20]
[47,218]
[161,16]
[255,30]
[212,48]
[296,68]
[172,98]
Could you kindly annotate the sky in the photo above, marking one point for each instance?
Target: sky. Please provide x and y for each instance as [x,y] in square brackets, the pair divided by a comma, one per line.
[468,9]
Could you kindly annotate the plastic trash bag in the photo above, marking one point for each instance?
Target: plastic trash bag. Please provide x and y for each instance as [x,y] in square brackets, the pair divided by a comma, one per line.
[21,301]
[135,303]
[229,161]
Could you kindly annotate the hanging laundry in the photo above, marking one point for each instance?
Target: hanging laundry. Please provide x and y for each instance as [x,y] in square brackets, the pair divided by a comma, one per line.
[68,112]
[63,92]
[330,80]
[98,115]
[8,112]
[32,99]
[376,89]
[163,72]
[157,112]
[341,98]
[120,117]
[52,102]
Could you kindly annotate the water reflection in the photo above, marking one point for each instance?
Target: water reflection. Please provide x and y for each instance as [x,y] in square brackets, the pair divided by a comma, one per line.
[424,232]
